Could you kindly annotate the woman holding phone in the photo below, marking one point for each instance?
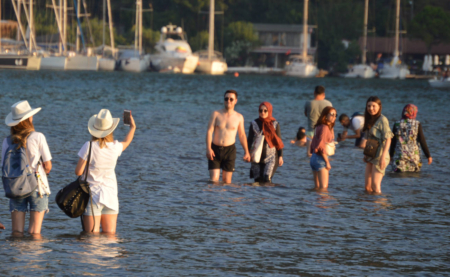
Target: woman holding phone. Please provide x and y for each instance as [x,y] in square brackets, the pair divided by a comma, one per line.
[101,176]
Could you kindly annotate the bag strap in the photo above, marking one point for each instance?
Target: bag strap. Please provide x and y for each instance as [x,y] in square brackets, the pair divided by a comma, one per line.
[88,162]
[90,194]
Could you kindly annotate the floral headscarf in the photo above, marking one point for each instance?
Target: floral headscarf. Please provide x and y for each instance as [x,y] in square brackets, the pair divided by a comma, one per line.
[409,112]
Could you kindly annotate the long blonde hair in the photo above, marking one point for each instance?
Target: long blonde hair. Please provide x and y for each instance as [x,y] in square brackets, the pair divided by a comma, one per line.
[102,141]
[20,132]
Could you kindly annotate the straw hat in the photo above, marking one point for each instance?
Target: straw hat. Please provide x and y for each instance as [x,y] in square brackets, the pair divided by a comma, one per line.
[19,112]
[102,124]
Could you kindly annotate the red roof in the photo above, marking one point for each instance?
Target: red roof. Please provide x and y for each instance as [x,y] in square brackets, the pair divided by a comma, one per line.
[407,46]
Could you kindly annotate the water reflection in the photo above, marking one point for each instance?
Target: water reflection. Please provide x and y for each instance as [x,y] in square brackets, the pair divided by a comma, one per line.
[99,249]
[325,200]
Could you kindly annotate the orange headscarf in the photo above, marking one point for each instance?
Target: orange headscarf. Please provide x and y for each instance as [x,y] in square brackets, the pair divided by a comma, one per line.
[269,131]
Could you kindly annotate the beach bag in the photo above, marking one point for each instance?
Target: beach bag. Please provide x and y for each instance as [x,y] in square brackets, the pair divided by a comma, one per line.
[73,198]
[257,147]
[19,181]
[371,148]
[330,148]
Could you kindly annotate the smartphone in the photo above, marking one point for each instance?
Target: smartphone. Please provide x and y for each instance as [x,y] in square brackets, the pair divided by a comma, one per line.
[126,117]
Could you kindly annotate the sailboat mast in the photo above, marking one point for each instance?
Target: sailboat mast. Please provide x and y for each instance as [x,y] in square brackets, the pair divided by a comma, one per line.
[211,30]
[1,26]
[104,22]
[78,27]
[65,27]
[397,28]
[30,43]
[366,19]
[305,30]
[110,21]
[140,27]
[136,26]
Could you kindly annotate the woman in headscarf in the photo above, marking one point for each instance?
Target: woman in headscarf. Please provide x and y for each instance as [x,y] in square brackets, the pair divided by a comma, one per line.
[272,152]
[404,152]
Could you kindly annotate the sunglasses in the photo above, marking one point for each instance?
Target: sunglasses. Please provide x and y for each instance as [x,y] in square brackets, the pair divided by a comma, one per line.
[228,98]
[333,114]
[262,111]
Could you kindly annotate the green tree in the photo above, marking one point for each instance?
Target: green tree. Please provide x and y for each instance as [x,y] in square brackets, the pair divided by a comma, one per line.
[200,41]
[240,38]
[432,25]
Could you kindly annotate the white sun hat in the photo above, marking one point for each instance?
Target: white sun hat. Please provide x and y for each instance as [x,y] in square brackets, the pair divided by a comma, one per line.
[102,124]
[19,112]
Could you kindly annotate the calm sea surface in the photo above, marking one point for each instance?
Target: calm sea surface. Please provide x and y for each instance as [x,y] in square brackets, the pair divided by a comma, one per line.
[173,222]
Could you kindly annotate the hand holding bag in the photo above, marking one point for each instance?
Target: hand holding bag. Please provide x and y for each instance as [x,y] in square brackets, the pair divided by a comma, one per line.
[73,198]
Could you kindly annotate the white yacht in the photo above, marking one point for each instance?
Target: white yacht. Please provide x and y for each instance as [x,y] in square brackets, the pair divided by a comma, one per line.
[173,53]
[299,67]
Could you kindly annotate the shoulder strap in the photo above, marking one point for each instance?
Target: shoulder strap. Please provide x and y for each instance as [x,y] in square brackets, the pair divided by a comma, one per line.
[88,161]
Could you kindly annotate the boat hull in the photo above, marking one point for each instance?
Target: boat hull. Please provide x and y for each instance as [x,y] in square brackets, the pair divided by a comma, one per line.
[213,67]
[185,65]
[53,63]
[20,62]
[82,63]
[135,64]
[304,70]
[439,83]
[394,72]
[105,64]
[361,71]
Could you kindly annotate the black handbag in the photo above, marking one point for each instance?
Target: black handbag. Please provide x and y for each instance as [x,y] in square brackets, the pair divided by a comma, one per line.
[371,148]
[73,198]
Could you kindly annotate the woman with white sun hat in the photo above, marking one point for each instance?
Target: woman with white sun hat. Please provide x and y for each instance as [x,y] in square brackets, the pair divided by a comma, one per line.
[101,176]
[23,134]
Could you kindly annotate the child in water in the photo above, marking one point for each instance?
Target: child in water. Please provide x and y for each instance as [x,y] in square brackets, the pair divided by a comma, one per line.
[300,138]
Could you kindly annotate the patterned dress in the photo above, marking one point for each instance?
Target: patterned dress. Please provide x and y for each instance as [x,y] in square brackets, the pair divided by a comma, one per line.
[407,155]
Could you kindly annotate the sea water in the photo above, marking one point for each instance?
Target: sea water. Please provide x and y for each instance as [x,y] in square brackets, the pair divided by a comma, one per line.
[173,222]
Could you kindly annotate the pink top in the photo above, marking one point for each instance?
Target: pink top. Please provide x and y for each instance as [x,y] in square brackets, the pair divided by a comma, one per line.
[322,136]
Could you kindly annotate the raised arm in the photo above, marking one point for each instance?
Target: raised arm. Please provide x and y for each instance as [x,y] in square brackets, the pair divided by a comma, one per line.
[209,133]
[243,139]
[129,138]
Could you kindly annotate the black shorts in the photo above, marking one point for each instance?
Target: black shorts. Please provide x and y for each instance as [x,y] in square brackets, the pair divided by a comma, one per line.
[224,159]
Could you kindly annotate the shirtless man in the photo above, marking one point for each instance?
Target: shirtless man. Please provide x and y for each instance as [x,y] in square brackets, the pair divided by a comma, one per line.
[220,148]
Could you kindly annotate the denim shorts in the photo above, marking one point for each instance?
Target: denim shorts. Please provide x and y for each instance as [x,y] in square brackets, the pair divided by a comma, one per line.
[317,162]
[99,210]
[36,203]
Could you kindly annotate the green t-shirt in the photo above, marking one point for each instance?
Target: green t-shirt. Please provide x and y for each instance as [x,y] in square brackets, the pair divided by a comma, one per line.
[313,110]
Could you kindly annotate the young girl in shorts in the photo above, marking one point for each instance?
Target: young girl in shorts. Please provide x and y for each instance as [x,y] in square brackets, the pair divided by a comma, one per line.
[22,133]
[101,176]
[324,134]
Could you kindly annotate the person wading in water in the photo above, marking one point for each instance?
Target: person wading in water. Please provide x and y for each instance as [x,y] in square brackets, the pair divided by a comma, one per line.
[221,136]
